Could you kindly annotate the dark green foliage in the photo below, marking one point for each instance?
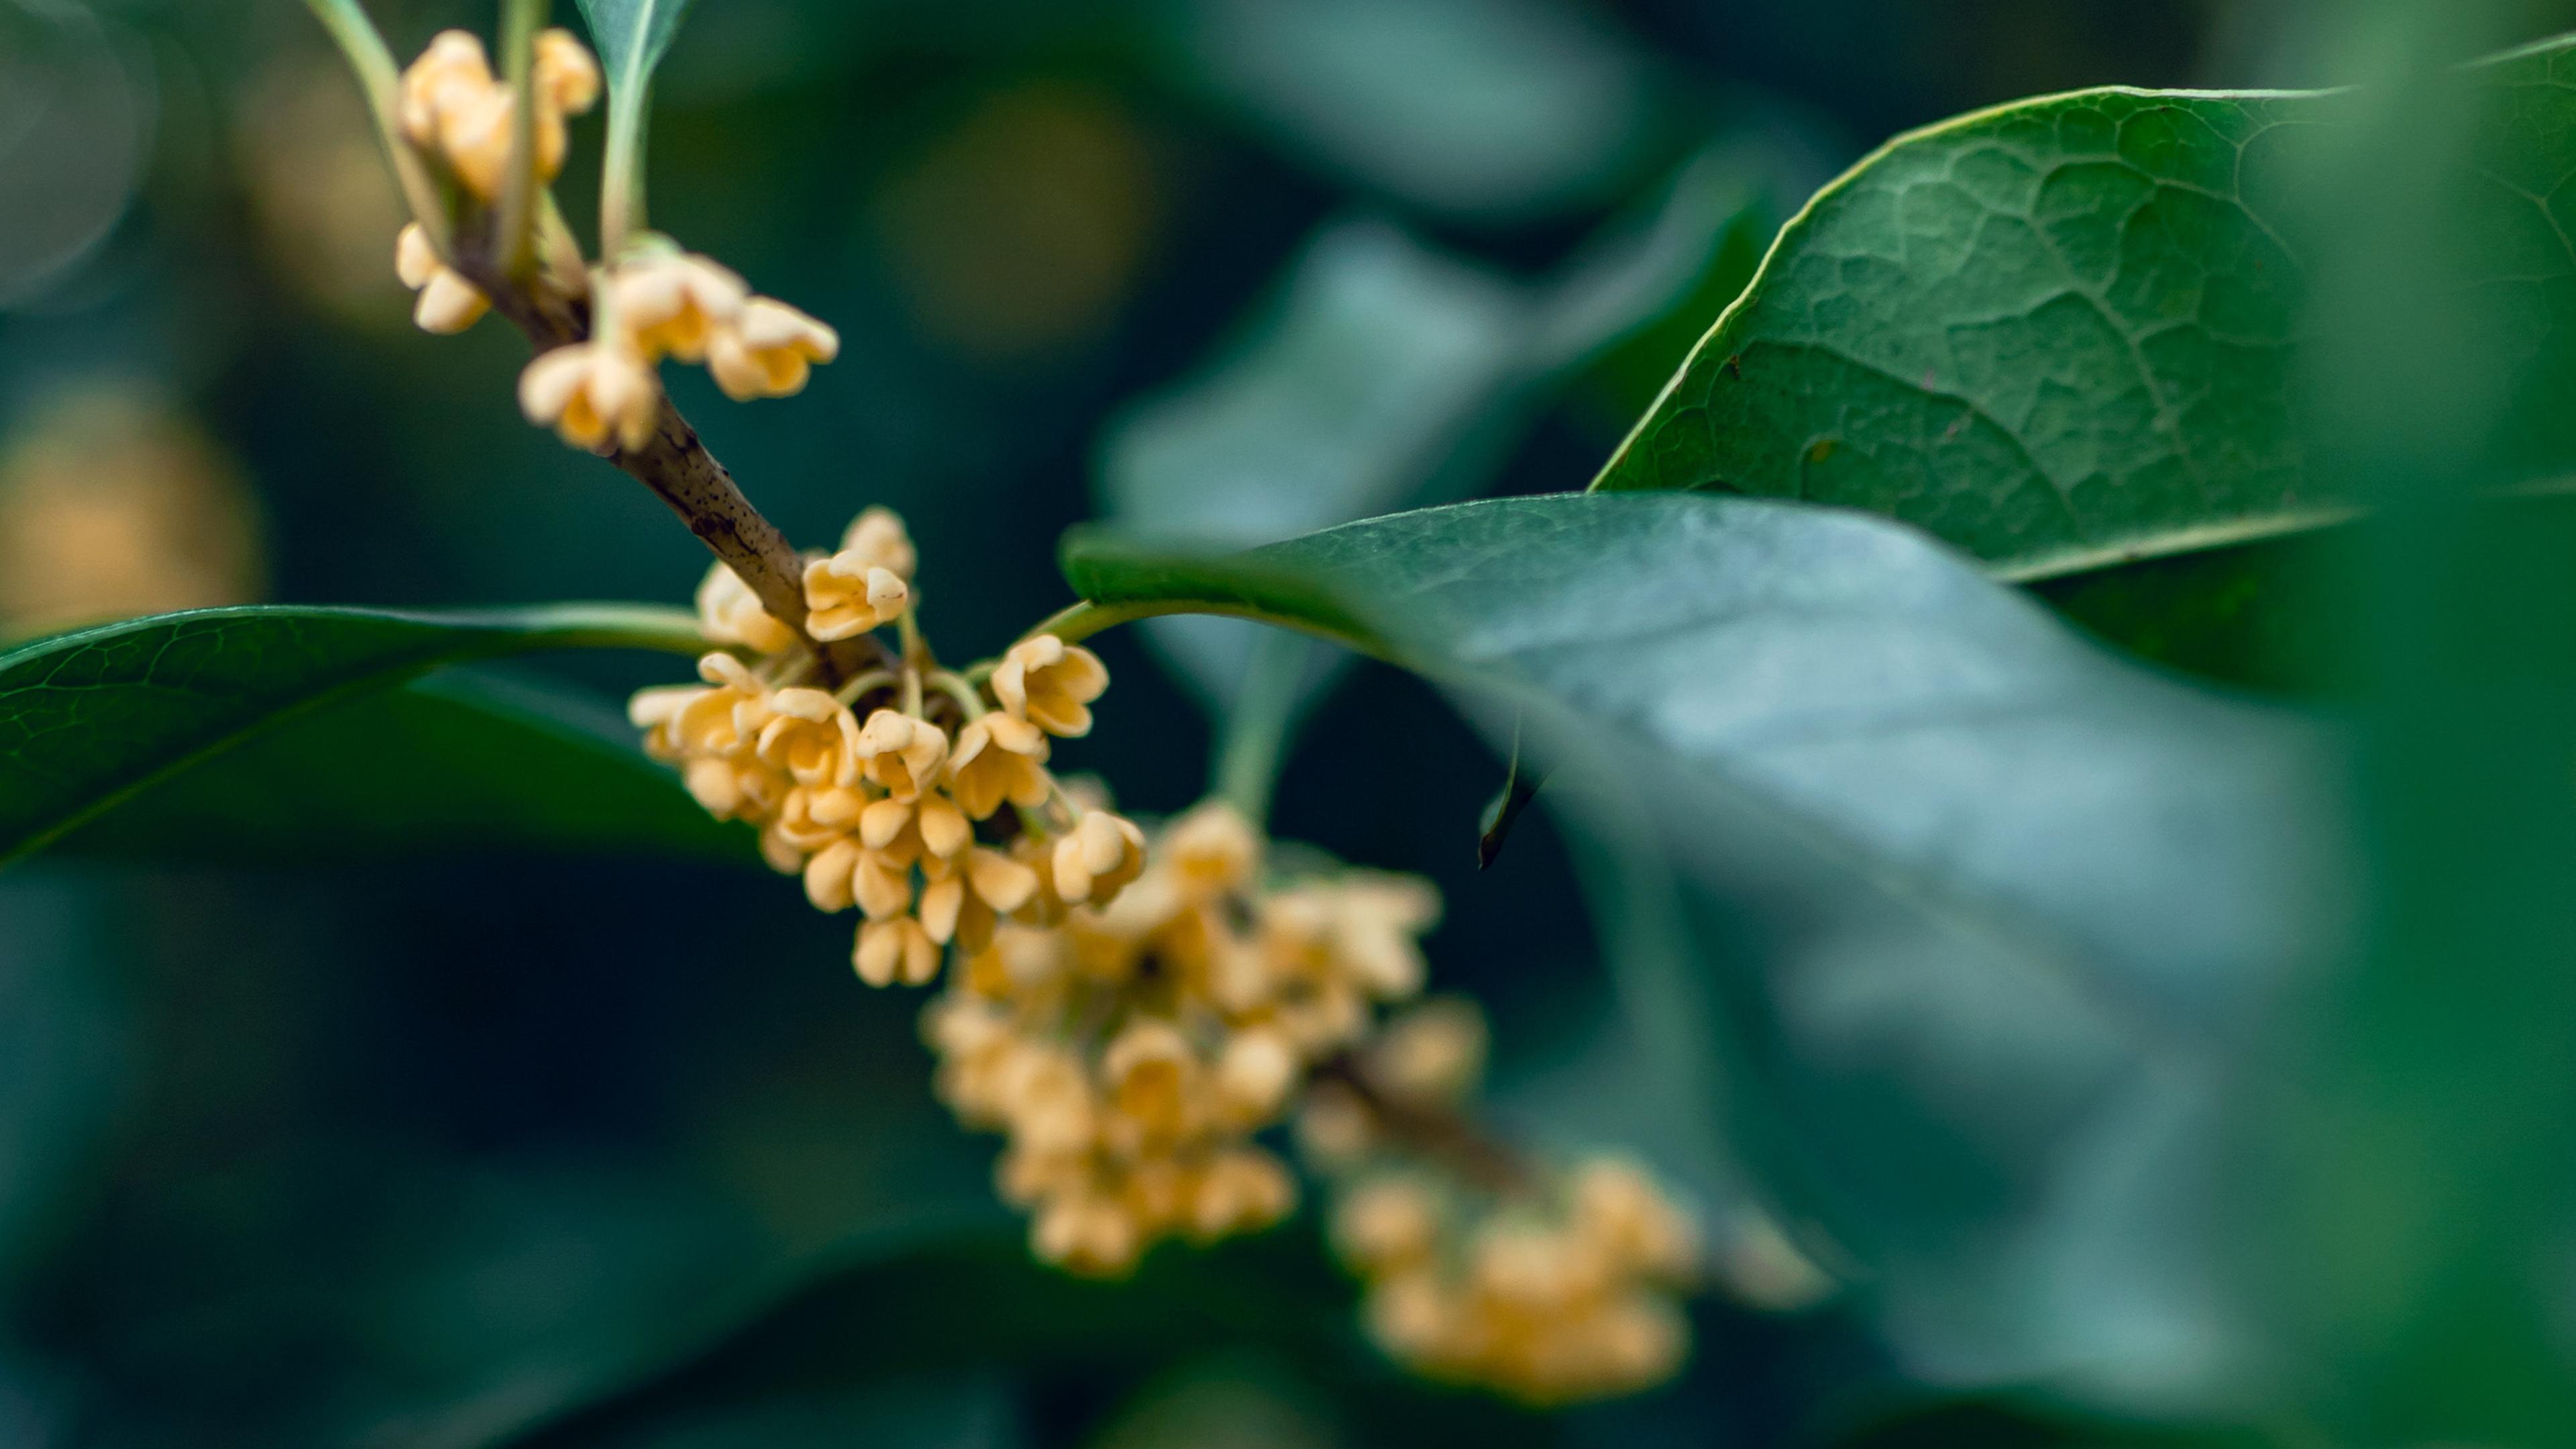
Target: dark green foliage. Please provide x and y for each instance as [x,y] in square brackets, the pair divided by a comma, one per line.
[2064,333]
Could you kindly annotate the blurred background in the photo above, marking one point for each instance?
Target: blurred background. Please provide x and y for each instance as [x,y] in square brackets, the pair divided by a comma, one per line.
[427,1149]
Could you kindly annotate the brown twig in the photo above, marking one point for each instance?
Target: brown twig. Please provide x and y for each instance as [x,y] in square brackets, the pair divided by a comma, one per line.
[682,473]
[1439,1132]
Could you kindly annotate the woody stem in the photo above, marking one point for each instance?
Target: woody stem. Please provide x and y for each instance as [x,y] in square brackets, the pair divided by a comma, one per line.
[680,471]
[1437,1131]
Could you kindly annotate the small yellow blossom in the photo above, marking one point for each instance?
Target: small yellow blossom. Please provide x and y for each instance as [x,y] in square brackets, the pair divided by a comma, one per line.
[877,536]
[907,829]
[1255,1074]
[1386,1224]
[902,754]
[845,595]
[670,305]
[1092,1235]
[448,302]
[567,73]
[1432,1053]
[1096,859]
[1334,1128]
[451,76]
[1213,849]
[1129,1049]
[1050,684]
[967,900]
[882,885]
[1619,1208]
[598,395]
[1153,1078]
[812,737]
[1242,1191]
[730,613]
[998,758]
[831,876]
[768,351]
[1548,1287]
[452,106]
[897,949]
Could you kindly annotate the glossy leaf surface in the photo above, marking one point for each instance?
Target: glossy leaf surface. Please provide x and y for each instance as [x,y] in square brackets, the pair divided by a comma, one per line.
[1976,909]
[89,718]
[460,759]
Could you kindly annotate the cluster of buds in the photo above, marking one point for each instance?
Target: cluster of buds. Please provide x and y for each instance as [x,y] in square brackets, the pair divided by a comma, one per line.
[650,302]
[1131,1049]
[456,113]
[1551,1287]
[888,792]
[454,109]
[657,302]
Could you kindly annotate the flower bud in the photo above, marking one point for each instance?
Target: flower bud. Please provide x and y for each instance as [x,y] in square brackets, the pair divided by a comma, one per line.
[1097,858]
[768,350]
[998,758]
[1050,684]
[595,394]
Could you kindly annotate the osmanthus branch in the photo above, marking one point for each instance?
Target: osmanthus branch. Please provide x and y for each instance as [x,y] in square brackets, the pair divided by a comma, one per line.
[1440,1133]
[680,471]
[494,252]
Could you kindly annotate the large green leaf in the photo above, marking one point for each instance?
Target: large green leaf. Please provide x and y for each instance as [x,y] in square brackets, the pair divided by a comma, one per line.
[2061,333]
[1978,909]
[461,759]
[908,1302]
[1387,373]
[2405,1184]
[91,717]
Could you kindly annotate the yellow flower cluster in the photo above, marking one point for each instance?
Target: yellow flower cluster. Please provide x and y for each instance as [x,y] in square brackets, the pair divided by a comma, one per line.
[453,109]
[652,301]
[662,303]
[1551,1288]
[1132,1048]
[881,797]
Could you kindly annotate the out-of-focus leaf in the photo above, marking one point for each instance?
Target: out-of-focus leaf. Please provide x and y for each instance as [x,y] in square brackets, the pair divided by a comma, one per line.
[950,1301]
[929,1411]
[1354,392]
[2060,334]
[463,758]
[1381,376]
[89,718]
[2406,1204]
[62,1046]
[1494,109]
[632,36]
[1388,373]
[1980,910]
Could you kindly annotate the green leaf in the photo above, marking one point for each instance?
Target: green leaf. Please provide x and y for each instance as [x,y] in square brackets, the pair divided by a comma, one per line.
[909,1302]
[89,718]
[461,759]
[1483,109]
[2402,1179]
[632,36]
[2061,333]
[1388,373]
[1978,908]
